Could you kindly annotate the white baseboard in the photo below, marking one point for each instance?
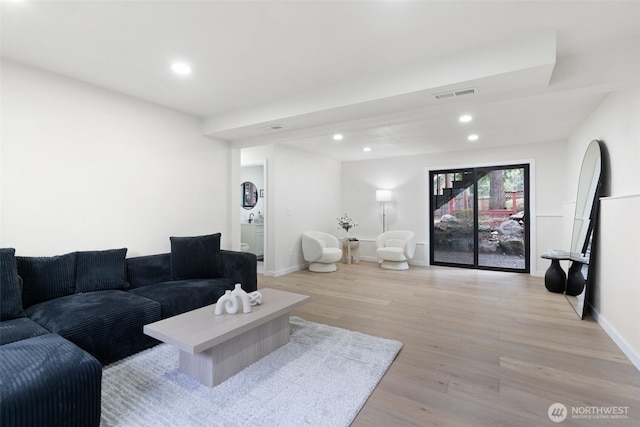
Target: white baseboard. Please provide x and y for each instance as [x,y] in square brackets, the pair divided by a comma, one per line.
[287,270]
[411,262]
[615,336]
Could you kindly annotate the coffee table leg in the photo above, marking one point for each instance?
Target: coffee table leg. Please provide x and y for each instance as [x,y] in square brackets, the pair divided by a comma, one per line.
[213,366]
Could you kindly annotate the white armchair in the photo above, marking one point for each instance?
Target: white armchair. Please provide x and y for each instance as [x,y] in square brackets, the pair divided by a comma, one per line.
[322,250]
[395,248]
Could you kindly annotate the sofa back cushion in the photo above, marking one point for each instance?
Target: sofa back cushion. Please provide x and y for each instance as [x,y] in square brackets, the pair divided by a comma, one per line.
[45,278]
[10,289]
[148,270]
[196,257]
[101,270]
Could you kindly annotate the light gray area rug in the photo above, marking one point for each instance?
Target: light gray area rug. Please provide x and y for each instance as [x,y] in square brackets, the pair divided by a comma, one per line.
[322,377]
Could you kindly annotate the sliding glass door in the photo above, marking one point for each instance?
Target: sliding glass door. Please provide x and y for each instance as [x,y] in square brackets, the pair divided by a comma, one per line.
[452,217]
[478,218]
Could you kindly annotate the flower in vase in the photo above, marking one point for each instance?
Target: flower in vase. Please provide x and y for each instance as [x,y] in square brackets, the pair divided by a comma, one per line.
[346,223]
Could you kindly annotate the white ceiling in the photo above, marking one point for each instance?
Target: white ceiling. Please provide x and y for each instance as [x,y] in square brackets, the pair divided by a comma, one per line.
[367,69]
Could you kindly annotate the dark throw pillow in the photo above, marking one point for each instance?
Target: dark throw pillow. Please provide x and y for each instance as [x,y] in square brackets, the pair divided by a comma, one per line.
[46,278]
[196,257]
[10,289]
[101,270]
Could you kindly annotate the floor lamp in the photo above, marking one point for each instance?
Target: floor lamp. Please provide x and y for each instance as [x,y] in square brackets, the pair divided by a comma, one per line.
[383,196]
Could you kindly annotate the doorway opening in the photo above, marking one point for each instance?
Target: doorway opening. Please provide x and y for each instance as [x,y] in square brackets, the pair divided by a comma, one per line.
[253,210]
[479,218]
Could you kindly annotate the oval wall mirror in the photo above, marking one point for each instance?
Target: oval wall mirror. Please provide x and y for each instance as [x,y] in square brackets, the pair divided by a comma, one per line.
[249,195]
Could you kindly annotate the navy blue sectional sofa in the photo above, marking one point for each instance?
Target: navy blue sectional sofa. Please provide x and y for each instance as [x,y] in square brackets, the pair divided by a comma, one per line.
[64,317]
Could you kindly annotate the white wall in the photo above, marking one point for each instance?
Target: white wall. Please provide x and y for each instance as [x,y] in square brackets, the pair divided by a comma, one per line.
[303,193]
[86,168]
[616,298]
[407,178]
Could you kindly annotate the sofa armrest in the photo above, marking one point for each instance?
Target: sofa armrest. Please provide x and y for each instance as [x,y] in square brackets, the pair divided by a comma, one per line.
[242,267]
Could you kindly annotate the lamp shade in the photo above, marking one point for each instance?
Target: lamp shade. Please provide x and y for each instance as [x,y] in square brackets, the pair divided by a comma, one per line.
[383,195]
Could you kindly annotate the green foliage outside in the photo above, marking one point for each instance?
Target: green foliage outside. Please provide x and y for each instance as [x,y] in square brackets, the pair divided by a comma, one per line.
[513,181]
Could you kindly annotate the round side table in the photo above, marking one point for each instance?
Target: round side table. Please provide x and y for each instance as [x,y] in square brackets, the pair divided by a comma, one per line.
[350,251]
[555,279]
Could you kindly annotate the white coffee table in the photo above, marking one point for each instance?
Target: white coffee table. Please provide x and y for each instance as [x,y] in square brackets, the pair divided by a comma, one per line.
[214,348]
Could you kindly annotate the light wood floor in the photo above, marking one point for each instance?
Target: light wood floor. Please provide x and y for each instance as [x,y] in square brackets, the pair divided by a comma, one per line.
[480,348]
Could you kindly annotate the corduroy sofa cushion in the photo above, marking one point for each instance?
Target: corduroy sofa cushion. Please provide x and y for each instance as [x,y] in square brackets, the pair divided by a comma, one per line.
[148,270]
[45,278]
[19,329]
[48,381]
[101,270]
[196,257]
[152,269]
[108,324]
[179,296]
[10,289]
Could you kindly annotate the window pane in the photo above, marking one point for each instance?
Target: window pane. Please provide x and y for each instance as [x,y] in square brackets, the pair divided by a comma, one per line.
[453,229]
[501,231]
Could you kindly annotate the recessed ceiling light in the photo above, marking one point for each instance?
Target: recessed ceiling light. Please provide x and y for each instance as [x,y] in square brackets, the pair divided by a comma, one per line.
[181,68]
[473,137]
[366,149]
[337,137]
[465,118]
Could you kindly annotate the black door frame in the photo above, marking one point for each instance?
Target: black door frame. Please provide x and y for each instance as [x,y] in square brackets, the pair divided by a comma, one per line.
[527,222]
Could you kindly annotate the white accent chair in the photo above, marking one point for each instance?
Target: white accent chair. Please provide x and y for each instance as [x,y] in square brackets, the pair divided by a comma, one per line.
[395,248]
[322,250]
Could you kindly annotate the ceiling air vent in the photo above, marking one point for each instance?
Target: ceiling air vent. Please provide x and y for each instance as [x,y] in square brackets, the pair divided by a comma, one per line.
[272,127]
[455,93]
